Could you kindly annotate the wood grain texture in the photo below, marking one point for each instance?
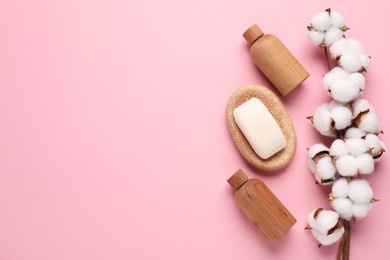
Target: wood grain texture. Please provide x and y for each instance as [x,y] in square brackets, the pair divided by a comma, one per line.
[263,208]
[282,158]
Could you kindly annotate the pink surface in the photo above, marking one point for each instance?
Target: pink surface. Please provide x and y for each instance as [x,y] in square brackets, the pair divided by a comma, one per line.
[113,141]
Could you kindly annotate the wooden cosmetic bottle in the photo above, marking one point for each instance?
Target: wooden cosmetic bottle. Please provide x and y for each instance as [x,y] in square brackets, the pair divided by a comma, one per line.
[275,60]
[261,206]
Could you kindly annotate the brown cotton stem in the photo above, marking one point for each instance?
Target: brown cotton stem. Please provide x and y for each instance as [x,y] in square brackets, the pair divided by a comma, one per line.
[343,251]
[327,57]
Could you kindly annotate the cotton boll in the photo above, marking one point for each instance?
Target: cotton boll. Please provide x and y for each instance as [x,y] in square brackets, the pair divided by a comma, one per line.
[359,79]
[316,37]
[332,76]
[321,21]
[360,191]
[322,122]
[343,206]
[378,147]
[344,90]
[346,165]
[338,148]
[340,188]
[338,48]
[361,210]
[311,221]
[332,35]
[356,146]
[316,148]
[365,61]
[354,132]
[337,19]
[342,117]
[326,240]
[370,123]
[312,165]
[361,105]
[351,61]
[326,220]
[382,155]
[366,163]
[325,168]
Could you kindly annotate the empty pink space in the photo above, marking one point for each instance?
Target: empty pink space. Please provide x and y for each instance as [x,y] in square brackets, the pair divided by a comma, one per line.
[113,140]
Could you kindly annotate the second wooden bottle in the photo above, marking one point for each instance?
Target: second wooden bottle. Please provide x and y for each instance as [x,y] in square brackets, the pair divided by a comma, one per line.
[275,60]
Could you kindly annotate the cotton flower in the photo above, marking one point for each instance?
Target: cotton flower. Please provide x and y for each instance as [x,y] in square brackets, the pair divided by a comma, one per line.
[352,199]
[364,116]
[324,225]
[350,54]
[378,148]
[326,28]
[331,117]
[343,85]
[321,164]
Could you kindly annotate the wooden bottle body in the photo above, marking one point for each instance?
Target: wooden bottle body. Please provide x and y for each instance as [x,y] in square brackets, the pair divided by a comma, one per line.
[262,207]
[277,63]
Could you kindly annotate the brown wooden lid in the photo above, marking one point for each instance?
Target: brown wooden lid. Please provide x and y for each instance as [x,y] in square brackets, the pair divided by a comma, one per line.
[252,34]
[238,179]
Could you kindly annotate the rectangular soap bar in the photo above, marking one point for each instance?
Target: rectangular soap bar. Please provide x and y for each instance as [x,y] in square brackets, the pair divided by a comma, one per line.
[259,128]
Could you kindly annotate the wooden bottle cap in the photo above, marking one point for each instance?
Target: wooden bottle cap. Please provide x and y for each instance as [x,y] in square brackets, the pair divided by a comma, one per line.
[238,179]
[252,34]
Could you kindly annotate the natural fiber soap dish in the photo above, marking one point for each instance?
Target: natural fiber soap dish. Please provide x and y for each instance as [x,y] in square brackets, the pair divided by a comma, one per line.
[265,144]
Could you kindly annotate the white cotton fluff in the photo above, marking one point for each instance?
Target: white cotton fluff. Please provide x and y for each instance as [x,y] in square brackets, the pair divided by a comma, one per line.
[316,148]
[326,220]
[316,37]
[354,132]
[321,21]
[338,148]
[373,142]
[311,220]
[340,188]
[322,122]
[326,240]
[325,168]
[345,45]
[343,207]
[360,191]
[361,210]
[356,146]
[361,105]
[346,165]
[312,165]
[366,163]
[337,19]
[370,123]
[335,74]
[354,61]
[332,35]
[342,117]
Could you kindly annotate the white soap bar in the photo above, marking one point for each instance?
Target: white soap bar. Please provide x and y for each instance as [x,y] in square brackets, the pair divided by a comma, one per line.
[259,128]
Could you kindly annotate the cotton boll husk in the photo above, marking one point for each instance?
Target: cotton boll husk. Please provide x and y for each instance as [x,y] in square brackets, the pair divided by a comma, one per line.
[316,37]
[346,165]
[360,191]
[340,188]
[361,210]
[322,123]
[370,123]
[342,116]
[326,220]
[356,146]
[354,132]
[316,148]
[325,168]
[337,19]
[344,90]
[332,35]
[351,61]
[343,206]
[359,79]
[366,163]
[338,148]
[321,21]
[338,48]
[361,105]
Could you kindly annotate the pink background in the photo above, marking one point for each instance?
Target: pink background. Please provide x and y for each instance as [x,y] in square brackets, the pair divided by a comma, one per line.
[113,140]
